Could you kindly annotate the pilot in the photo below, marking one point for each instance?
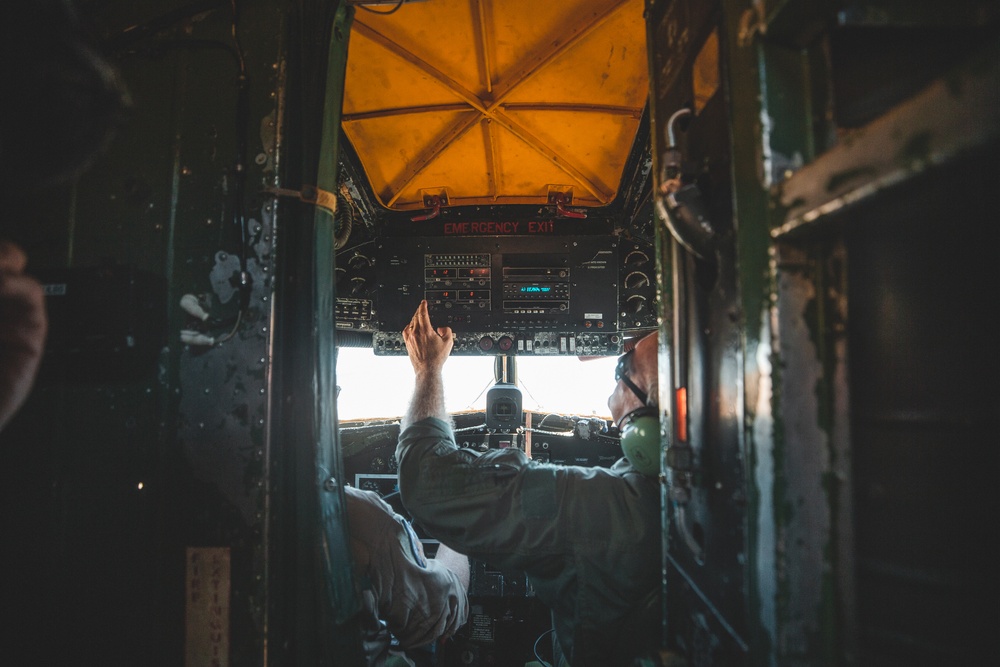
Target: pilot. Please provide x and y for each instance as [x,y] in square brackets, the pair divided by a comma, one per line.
[403,593]
[588,538]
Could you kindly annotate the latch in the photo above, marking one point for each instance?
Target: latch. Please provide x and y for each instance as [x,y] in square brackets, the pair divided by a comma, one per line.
[561,197]
[434,201]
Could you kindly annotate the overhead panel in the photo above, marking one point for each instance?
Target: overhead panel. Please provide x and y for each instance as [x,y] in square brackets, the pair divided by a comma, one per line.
[495,102]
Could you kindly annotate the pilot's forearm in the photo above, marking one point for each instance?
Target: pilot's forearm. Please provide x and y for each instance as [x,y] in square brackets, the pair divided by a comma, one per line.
[428,399]
[428,349]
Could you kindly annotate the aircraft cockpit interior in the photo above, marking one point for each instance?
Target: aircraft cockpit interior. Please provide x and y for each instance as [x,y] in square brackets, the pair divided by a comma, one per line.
[467,183]
[221,219]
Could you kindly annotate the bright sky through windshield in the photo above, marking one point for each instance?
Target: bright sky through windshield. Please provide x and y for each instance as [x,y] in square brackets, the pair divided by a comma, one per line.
[375,386]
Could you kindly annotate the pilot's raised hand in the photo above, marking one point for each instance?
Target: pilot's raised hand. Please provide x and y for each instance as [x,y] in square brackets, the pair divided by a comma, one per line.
[22,330]
[427,347]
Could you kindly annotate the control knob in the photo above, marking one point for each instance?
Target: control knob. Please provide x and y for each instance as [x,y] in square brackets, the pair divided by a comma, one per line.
[358,286]
[636,304]
[636,257]
[359,261]
[636,279]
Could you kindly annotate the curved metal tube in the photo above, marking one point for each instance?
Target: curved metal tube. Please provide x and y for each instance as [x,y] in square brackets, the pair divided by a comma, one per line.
[686,216]
[671,141]
[682,207]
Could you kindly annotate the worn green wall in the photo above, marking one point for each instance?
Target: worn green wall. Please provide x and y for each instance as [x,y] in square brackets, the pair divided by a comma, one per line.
[112,472]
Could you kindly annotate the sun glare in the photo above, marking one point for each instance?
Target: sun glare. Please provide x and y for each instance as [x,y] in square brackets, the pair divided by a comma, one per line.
[375,387]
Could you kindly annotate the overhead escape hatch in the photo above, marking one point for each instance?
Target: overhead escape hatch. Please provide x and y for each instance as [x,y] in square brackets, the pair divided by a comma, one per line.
[496,101]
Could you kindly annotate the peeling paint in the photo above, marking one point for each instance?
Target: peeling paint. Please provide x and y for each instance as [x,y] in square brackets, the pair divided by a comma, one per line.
[230,380]
[763,466]
[804,523]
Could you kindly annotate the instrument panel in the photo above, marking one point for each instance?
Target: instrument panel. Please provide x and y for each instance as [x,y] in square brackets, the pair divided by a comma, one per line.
[561,290]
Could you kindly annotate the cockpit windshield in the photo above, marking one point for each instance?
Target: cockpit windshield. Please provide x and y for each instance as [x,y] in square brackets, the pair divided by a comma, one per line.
[374,387]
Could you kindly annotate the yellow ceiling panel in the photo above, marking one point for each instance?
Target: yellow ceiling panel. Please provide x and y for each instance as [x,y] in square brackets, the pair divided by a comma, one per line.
[616,71]
[405,145]
[496,100]
[527,31]
[534,174]
[435,32]
[466,155]
[528,173]
[598,161]
[382,81]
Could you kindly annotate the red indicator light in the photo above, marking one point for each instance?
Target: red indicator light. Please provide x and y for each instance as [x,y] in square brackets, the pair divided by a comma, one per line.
[682,414]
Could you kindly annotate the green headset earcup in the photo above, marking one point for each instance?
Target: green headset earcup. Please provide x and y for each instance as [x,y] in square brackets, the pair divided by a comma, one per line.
[640,442]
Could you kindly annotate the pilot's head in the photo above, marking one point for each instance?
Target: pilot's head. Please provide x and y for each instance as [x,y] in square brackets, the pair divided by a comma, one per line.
[634,405]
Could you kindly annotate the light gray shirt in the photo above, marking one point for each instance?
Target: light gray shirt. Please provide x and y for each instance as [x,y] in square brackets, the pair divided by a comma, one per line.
[587,538]
[414,598]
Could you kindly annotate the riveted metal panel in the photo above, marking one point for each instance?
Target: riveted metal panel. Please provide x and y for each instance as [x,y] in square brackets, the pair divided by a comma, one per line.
[137,447]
